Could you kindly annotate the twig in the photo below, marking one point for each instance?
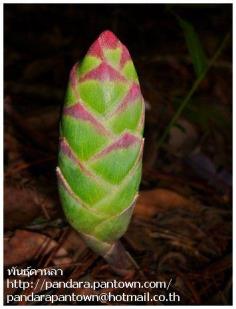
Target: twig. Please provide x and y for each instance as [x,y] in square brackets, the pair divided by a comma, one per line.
[63,237]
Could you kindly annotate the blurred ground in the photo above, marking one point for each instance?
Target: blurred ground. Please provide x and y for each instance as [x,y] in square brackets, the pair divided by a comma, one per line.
[182,225]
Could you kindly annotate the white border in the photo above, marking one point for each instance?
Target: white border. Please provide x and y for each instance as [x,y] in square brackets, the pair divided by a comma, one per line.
[1,125]
[121,1]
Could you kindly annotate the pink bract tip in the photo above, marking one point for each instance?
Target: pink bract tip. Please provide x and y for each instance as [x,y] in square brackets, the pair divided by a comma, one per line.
[125,141]
[67,151]
[125,56]
[73,76]
[103,72]
[106,39]
[80,112]
[131,97]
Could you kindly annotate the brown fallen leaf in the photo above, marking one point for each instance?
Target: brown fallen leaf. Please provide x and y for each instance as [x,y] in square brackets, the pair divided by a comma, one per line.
[74,244]
[23,202]
[21,206]
[24,246]
[152,202]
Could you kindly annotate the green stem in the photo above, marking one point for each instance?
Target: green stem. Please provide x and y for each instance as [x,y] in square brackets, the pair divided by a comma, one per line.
[191,92]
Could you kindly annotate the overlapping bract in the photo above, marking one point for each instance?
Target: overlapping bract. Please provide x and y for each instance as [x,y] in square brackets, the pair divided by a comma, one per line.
[101,143]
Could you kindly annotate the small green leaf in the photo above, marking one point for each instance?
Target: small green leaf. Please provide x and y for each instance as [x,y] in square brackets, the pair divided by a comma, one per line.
[195,47]
[181,128]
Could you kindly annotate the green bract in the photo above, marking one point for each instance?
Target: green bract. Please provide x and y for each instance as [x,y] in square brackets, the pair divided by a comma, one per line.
[101,144]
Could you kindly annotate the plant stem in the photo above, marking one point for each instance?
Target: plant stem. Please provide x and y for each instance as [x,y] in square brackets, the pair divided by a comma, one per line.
[120,260]
[191,92]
